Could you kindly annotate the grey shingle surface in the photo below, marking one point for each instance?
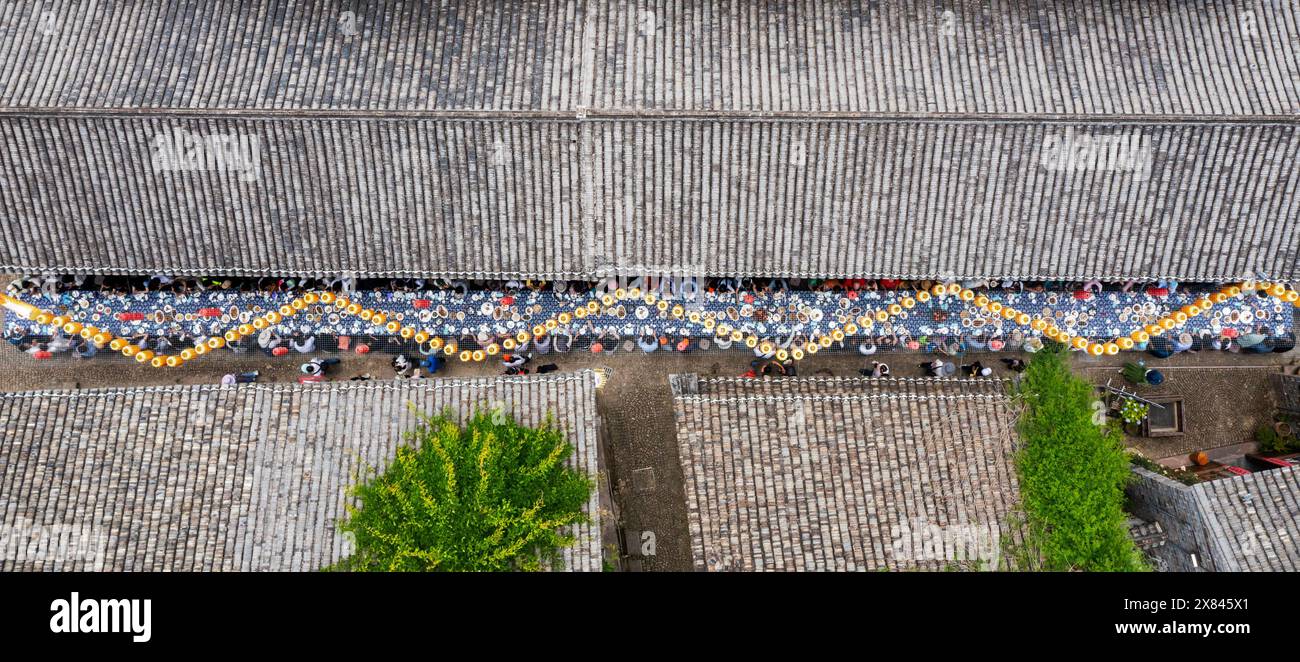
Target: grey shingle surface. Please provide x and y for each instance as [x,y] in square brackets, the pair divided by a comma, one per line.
[1254,521]
[572,199]
[1243,523]
[571,138]
[827,474]
[1087,57]
[243,478]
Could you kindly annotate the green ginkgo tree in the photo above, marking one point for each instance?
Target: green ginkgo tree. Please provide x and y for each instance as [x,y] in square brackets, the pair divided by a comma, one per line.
[489,495]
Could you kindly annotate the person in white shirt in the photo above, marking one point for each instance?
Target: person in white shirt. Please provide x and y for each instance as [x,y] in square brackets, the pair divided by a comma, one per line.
[302,345]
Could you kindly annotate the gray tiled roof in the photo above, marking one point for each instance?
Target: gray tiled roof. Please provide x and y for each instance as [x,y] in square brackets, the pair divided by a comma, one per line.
[1253,521]
[239,478]
[835,474]
[1242,523]
[576,199]
[573,138]
[1088,57]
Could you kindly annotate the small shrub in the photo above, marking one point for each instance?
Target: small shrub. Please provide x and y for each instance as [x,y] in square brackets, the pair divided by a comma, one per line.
[1268,439]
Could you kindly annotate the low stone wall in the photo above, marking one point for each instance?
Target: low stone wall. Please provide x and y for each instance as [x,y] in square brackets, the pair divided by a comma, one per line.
[1160,499]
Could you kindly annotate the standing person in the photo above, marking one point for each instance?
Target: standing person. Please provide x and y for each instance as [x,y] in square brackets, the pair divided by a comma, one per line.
[1254,342]
[877,369]
[268,340]
[514,364]
[402,366]
[59,343]
[317,367]
[241,378]
[85,349]
[140,340]
[938,368]
[431,364]
[647,343]
[1015,365]
[303,344]
[162,344]
[17,336]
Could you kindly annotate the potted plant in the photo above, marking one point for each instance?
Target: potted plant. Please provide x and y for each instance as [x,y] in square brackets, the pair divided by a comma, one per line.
[1284,428]
[1139,373]
[1135,373]
[1133,413]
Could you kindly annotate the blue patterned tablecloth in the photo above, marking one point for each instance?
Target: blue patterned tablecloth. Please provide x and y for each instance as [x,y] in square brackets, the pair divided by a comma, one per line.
[789,314]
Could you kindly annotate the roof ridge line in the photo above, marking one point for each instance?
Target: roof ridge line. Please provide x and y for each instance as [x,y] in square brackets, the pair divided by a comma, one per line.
[600,273]
[370,385]
[579,115]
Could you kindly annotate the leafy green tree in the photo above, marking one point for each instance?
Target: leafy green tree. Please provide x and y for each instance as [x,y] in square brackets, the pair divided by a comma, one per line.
[490,496]
[1072,474]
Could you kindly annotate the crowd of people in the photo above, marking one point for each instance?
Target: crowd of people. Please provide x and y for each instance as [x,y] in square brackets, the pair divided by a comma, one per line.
[281,342]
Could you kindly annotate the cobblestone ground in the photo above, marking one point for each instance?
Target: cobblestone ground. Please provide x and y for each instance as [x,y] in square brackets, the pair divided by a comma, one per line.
[635,404]
[1222,406]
